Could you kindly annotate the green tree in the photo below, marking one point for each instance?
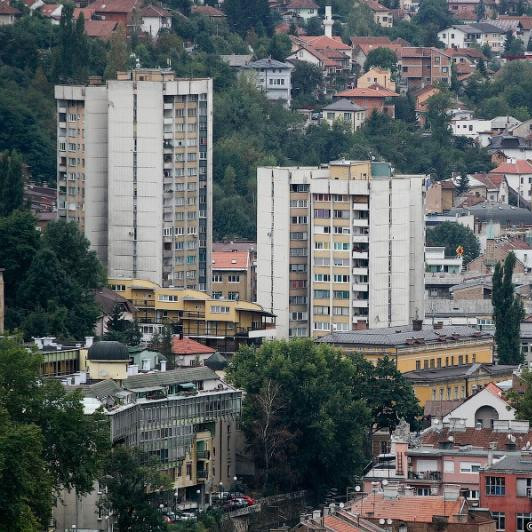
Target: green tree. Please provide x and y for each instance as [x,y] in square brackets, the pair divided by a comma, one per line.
[508,313]
[280,46]
[522,402]
[132,483]
[307,79]
[166,343]
[302,419]
[437,117]
[246,15]
[480,11]
[451,235]
[463,183]
[117,56]
[313,26]
[120,329]
[381,57]
[11,182]
[513,45]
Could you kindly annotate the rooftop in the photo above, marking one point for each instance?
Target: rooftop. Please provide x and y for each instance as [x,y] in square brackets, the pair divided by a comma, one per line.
[302,4]
[375,91]
[107,350]
[114,6]
[519,166]
[230,260]
[514,463]
[505,214]
[151,10]
[187,346]
[165,378]
[320,42]
[455,372]
[269,63]
[343,105]
[208,11]
[6,9]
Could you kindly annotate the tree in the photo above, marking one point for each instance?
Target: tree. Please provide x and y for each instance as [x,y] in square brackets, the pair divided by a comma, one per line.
[451,235]
[523,402]
[437,117]
[307,79]
[280,46]
[300,402]
[381,57]
[11,182]
[463,183]
[480,11]
[131,483]
[120,329]
[313,26]
[117,55]
[513,45]
[246,15]
[166,343]
[508,313]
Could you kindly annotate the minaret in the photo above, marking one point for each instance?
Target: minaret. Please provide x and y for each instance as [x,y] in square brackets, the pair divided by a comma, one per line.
[328,21]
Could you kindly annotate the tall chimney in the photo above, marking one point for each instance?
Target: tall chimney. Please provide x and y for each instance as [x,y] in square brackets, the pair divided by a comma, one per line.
[328,21]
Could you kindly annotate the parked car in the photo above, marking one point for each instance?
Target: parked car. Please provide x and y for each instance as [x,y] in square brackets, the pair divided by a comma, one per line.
[235,504]
[186,516]
[237,495]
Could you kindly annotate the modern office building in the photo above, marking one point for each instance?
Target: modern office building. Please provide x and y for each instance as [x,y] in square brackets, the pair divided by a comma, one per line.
[339,247]
[135,172]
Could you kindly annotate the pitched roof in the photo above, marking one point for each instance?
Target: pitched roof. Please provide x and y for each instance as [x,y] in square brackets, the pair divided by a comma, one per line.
[302,4]
[152,10]
[492,182]
[473,436]
[87,12]
[230,260]
[100,29]
[520,166]
[472,53]
[106,298]
[235,246]
[268,62]
[6,9]
[187,346]
[164,378]
[321,42]
[334,524]
[355,41]
[440,408]
[208,11]
[343,105]
[375,6]
[454,372]
[511,462]
[419,51]
[114,6]
[375,91]
[408,508]
[48,9]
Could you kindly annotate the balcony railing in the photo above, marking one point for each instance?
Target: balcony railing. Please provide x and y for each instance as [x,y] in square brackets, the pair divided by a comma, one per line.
[424,475]
[202,455]
[203,474]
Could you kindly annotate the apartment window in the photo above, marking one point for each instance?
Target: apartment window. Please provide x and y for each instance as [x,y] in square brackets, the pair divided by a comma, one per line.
[469,467]
[322,213]
[62,146]
[299,219]
[425,364]
[298,268]
[320,310]
[472,495]
[322,197]
[322,261]
[341,214]
[299,188]
[500,521]
[298,252]
[298,203]
[298,316]
[523,519]
[297,235]
[341,294]
[495,486]
[322,277]
[233,296]
[118,287]
[340,261]
[297,300]
[219,309]
[418,364]
[321,245]
[438,364]
[167,297]
[297,331]
[340,311]
[322,326]
[460,360]
[524,487]
[217,277]
[423,492]
[341,246]
[296,283]
[322,294]
[341,278]
[234,278]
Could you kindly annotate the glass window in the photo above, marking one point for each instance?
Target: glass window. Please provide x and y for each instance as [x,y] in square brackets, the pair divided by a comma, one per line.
[500,520]
[495,486]
[522,521]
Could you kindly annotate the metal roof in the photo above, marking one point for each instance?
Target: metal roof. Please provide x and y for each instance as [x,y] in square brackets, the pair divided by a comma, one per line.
[101,389]
[343,105]
[165,378]
[513,462]
[451,372]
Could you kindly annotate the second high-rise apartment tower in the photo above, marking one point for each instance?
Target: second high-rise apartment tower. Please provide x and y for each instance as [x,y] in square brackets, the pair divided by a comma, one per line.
[340,247]
[135,172]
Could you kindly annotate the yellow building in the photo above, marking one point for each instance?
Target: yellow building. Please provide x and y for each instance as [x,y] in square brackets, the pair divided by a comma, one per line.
[376,75]
[416,347]
[222,324]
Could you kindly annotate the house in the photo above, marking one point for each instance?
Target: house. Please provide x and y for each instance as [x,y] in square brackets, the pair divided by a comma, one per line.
[52,11]
[521,26]
[303,9]
[481,33]
[464,10]
[100,29]
[362,46]
[496,251]
[107,300]
[465,56]
[440,196]
[496,186]
[422,66]
[418,346]
[502,124]
[376,76]
[232,275]
[188,352]
[506,489]
[211,12]
[325,45]
[346,112]
[374,98]
[518,175]
[506,146]
[145,360]
[522,129]
[330,61]
[122,11]
[237,61]
[437,262]
[472,128]
[422,97]
[474,289]
[382,15]
[273,78]
[155,19]
[8,14]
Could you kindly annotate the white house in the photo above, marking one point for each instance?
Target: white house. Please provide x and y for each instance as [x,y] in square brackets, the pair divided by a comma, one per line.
[304,9]
[345,111]
[475,129]
[155,19]
[481,33]
[483,408]
[8,14]
[437,262]
[273,78]
[518,174]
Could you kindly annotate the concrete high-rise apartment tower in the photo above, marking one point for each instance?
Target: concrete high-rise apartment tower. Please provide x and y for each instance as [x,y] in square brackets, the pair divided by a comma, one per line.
[340,247]
[135,172]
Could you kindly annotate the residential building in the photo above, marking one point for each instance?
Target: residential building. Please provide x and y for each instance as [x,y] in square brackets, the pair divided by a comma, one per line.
[465,56]
[464,10]
[362,46]
[496,251]
[376,76]
[504,147]
[353,252]
[302,9]
[52,12]
[437,262]
[8,14]
[473,289]
[456,382]
[440,196]
[518,175]
[223,325]
[506,489]
[153,134]
[422,97]
[526,341]
[422,66]
[479,33]
[493,187]
[101,29]
[188,352]
[382,15]
[473,128]
[232,275]
[322,43]
[273,77]
[213,13]
[374,98]
[125,12]
[155,19]
[185,419]
[416,347]
[334,519]
[346,112]
[146,360]
[522,129]
[107,301]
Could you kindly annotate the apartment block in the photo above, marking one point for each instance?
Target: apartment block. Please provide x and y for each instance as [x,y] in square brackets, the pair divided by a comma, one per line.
[422,66]
[135,172]
[340,247]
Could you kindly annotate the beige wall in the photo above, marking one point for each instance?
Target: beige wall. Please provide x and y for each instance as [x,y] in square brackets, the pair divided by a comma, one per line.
[221,283]
[103,370]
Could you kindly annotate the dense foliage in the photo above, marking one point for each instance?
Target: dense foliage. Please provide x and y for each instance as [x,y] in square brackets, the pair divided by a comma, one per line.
[508,312]
[46,441]
[452,235]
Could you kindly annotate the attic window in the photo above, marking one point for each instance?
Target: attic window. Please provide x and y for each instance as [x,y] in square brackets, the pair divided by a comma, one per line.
[233,261]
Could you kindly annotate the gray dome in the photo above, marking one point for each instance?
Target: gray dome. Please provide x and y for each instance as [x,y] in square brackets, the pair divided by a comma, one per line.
[108,350]
[506,215]
[216,362]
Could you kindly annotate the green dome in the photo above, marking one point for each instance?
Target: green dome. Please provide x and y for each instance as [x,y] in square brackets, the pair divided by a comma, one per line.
[216,362]
[108,350]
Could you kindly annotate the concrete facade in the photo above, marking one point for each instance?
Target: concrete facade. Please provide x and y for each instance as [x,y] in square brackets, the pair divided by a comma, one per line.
[337,249]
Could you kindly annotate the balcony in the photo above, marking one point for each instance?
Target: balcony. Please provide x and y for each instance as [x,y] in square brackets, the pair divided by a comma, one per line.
[168,106]
[203,474]
[360,271]
[360,254]
[360,287]
[202,455]
[360,303]
[143,303]
[168,121]
[360,239]
[360,222]
[425,475]
[360,207]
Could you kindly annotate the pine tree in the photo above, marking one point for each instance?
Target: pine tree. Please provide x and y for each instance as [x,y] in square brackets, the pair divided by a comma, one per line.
[507,313]
[11,183]
[463,183]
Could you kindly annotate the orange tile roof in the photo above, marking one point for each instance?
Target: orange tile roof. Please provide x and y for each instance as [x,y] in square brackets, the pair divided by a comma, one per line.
[47,9]
[100,29]
[375,91]
[409,509]
[230,260]
[321,42]
[187,346]
[375,6]
[335,524]
[302,4]
[520,166]
[367,47]
[87,13]
[6,9]
[209,11]
[355,41]
[154,11]
[114,6]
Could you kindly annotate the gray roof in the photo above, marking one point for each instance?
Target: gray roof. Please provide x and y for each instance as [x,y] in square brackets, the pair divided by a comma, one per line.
[506,215]
[476,281]
[165,378]
[403,336]
[216,361]
[478,27]
[108,350]
[502,142]
[452,372]
[269,63]
[513,462]
[343,105]
[101,389]
[236,60]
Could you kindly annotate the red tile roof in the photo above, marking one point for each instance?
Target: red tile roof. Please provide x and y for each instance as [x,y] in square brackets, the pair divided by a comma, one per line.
[187,346]
[114,6]
[87,12]
[520,166]
[208,11]
[491,181]
[155,11]
[472,53]
[355,41]
[302,4]
[100,29]
[419,51]
[333,523]
[375,6]
[476,437]
[6,9]
[409,509]
[47,9]
[321,42]
[230,260]
[375,91]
